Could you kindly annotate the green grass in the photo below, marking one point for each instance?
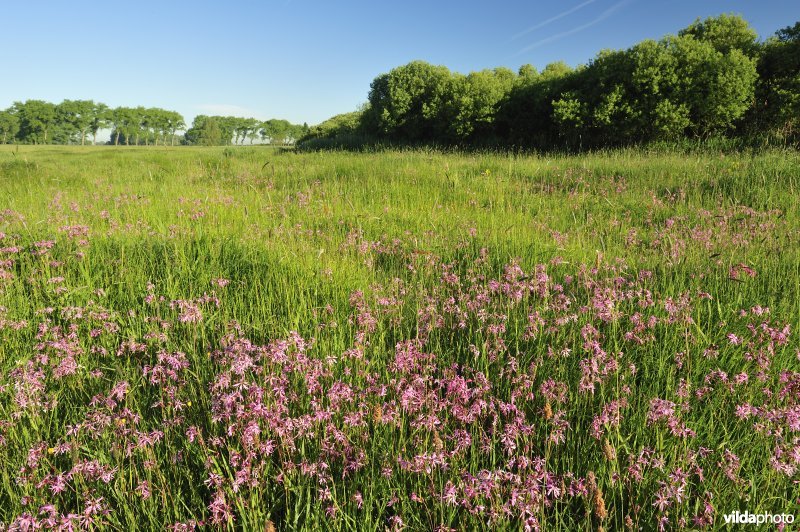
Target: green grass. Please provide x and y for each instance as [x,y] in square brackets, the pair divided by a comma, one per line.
[298,233]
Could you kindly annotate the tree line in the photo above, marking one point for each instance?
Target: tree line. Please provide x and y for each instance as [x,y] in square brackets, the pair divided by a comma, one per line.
[714,78]
[73,121]
[227,130]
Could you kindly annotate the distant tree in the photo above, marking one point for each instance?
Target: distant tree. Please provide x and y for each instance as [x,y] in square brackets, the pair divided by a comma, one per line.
[244,126]
[139,122]
[224,130]
[235,125]
[100,119]
[205,131]
[276,131]
[37,119]
[227,125]
[75,116]
[9,125]
[347,129]
[126,122]
[148,125]
[255,132]
[157,124]
[174,122]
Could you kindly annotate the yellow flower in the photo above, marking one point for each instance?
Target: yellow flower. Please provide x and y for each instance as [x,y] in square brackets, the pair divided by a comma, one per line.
[51,450]
[188,403]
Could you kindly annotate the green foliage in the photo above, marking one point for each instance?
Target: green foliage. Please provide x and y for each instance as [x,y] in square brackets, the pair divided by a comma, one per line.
[525,115]
[205,131]
[670,120]
[570,114]
[476,98]
[699,83]
[725,33]
[281,132]
[100,119]
[76,116]
[655,90]
[777,102]
[72,121]
[341,129]
[717,88]
[226,130]
[37,119]
[9,126]
[409,103]
[126,123]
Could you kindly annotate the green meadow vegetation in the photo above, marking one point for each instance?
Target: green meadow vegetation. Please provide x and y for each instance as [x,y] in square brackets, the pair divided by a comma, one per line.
[269,339]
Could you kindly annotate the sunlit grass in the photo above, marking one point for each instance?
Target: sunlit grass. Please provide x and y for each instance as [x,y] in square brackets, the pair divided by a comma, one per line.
[506,271]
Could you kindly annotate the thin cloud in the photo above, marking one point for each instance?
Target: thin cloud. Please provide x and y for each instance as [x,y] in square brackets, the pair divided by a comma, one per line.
[604,15]
[553,19]
[224,109]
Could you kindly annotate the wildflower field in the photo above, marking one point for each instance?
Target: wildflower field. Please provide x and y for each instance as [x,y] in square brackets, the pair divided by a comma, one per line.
[248,338]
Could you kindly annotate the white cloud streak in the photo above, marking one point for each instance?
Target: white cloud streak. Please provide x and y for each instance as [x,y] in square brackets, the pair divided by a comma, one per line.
[553,19]
[604,15]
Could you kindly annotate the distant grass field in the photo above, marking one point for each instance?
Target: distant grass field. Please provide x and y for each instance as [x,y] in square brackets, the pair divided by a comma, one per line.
[250,338]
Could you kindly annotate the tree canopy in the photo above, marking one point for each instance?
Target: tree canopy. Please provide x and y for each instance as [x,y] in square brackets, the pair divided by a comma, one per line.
[714,78]
[73,121]
[227,130]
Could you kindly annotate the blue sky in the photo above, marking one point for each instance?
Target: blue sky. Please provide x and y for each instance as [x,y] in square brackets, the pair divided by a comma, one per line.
[308,60]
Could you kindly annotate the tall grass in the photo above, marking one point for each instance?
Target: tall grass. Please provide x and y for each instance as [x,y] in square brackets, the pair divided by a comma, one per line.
[248,337]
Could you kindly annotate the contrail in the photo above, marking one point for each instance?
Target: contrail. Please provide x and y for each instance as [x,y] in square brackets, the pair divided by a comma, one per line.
[552,19]
[604,15]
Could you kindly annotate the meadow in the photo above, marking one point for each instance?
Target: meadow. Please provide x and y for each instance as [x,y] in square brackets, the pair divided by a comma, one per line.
[261,339]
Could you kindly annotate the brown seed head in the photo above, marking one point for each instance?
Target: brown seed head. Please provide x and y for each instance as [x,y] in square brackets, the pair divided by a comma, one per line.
[609,451]
[628,523]
[437,441]
[599,504]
